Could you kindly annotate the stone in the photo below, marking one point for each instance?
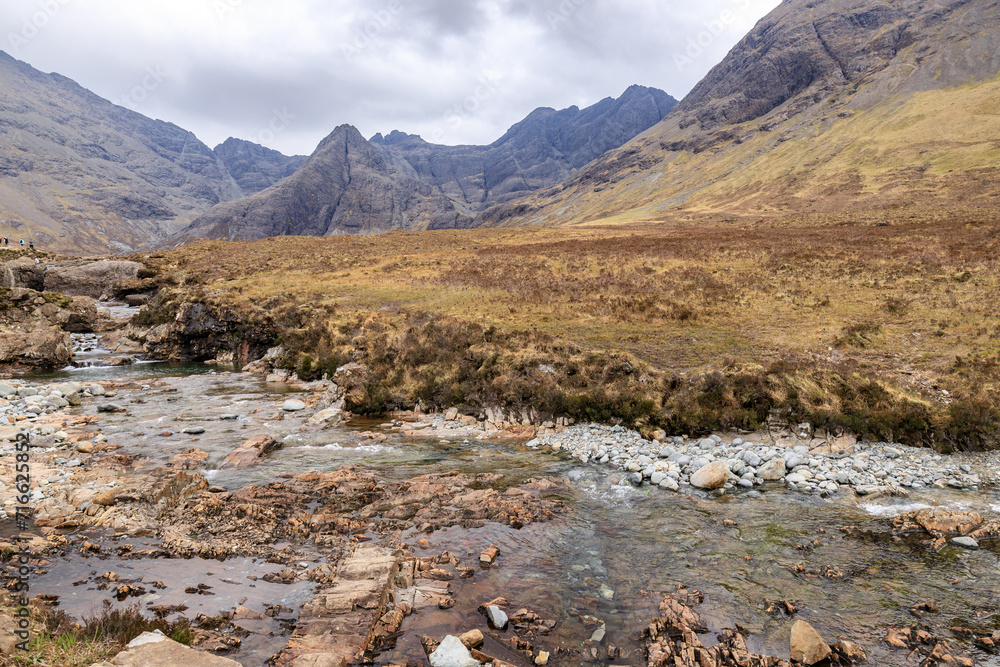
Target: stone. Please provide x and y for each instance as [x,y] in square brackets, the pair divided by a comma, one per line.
[85,447]
[342,619]
[497,617]
[965,542]
[806,644]
[9,433]
[850,653]
[8,640]
[712,476]
[489,555]
[670,484]
[292,405]
[89,278]
[152,649]
[194,430]
[472,639]
[105,498]
[772,471]
[189,459]
[330,417]
[251,451]
[542,659]
[452,653]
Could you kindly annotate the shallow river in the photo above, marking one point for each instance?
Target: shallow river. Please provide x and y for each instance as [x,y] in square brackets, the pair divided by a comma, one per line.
[613,543]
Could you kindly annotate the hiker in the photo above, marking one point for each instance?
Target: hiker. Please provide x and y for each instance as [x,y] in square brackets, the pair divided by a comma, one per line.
[31,245]
[22,242]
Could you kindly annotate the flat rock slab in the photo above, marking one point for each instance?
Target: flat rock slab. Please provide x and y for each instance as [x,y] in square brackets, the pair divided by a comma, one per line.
[166,653]
[339,623]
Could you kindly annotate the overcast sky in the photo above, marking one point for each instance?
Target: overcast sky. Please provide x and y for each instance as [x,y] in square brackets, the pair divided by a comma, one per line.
[286,73]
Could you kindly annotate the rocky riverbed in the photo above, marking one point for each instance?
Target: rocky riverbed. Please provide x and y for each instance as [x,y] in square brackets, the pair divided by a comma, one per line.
[251,502]
[733,465]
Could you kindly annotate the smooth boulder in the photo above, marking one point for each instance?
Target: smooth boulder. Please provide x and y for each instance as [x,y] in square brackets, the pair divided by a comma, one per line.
[713,476]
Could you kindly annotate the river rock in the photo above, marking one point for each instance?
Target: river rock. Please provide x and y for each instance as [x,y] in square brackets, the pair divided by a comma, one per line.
[452,653]
[850,653]
[293,406]
[497,617]
[332,416]
[712,476]
[472,639]
[251,451]
[105,498]
[9,433]
[938,520]
[772,471]
[966,542]
[807,646]
[189,459]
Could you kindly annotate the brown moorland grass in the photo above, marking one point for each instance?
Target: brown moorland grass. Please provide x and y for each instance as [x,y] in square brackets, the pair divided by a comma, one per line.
[710,322]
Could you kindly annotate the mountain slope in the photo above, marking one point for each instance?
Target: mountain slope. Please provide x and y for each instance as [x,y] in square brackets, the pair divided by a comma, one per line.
[346,186]
[350,185]
[78,173]
[255,167]
[822,106]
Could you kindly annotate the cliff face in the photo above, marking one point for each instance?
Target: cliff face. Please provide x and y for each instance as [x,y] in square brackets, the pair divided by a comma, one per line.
[823,105]
[255,167]
[350,185]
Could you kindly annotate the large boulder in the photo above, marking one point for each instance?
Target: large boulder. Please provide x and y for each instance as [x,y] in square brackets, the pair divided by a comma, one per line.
[24,273]
[42,348]
[93,279]
[82,316]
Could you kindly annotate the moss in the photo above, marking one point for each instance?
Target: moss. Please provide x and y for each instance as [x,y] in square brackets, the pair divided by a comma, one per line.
[60,300]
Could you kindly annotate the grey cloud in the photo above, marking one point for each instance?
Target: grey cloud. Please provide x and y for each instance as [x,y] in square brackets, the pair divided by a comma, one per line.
[412,65]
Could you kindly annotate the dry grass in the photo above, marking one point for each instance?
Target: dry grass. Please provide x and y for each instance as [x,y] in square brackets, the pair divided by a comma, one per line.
[912,304]
[58,640]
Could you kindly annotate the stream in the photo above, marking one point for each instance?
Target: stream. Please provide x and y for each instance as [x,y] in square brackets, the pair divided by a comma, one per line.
[613,544]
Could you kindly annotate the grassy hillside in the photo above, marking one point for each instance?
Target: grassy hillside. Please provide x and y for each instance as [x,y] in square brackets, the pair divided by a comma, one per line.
[888,330]
[936,148]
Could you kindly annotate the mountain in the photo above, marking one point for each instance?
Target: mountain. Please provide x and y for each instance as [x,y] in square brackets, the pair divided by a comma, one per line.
[349,185]
[255,167]
[825,105]
[78,173]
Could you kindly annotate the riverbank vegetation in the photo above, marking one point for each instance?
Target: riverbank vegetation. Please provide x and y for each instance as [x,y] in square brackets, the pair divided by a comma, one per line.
[884,324]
